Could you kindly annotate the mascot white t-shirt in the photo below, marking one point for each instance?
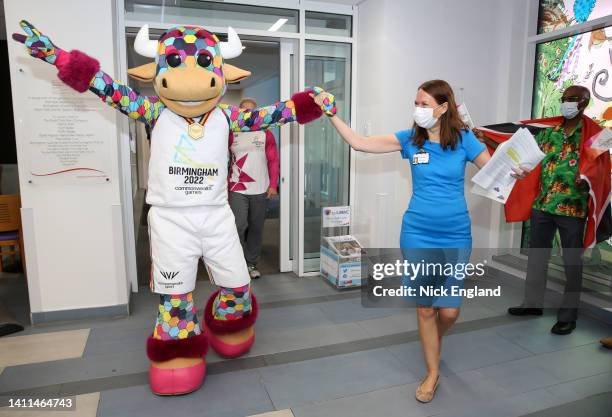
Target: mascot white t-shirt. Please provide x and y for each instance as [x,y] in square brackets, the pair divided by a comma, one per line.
[184,172]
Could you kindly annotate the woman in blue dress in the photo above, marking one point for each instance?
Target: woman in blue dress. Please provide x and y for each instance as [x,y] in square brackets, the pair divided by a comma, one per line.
[436,227]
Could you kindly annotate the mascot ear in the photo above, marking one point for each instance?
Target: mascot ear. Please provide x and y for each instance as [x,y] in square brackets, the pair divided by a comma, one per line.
[144,72]
[234,74]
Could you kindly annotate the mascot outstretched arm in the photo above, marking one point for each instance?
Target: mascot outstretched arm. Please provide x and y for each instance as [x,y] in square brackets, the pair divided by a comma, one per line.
[190,217]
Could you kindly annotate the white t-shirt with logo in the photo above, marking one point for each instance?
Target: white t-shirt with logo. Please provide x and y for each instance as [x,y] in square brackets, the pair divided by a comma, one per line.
[184,172]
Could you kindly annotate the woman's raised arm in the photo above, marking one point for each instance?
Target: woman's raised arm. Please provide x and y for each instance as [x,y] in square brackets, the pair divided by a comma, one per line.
[371,144]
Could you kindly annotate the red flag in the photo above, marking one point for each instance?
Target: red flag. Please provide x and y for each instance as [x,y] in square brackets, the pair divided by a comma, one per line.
[593,167]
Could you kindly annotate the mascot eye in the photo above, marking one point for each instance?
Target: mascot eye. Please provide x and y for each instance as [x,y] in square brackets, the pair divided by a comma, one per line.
[204,60]
[174,60]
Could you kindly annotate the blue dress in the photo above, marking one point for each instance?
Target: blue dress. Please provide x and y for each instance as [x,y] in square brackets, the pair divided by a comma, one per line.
[436,227]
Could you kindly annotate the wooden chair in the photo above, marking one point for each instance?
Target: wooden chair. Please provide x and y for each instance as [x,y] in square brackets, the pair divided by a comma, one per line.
[10,229]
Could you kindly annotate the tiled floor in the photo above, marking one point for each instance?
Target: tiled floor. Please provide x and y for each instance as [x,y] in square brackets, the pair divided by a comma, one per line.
[320,353]
[42,347]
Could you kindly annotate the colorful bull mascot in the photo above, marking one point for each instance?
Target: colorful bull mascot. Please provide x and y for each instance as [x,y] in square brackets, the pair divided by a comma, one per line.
[190,217]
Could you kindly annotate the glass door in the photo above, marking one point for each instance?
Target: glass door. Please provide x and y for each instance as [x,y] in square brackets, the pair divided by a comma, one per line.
[326,155]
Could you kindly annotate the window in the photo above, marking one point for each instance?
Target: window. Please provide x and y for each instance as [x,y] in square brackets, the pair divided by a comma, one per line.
[584,59]
[212,14]
[328,24]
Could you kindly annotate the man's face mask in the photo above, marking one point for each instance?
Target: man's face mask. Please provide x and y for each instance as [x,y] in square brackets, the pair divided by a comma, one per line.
[569,109]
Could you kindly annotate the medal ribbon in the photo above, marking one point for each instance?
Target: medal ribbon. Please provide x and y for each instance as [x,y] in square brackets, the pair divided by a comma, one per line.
[202,121]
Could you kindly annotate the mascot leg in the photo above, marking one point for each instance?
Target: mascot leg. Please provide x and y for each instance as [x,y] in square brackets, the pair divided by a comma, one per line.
[229,319]
[177,347]
[230,313]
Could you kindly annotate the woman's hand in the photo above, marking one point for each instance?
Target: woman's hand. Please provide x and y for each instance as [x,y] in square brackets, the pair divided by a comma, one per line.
[325,100]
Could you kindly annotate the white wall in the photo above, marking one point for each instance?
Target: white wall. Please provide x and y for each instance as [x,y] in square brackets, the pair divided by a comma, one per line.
[73,233]
[473,44]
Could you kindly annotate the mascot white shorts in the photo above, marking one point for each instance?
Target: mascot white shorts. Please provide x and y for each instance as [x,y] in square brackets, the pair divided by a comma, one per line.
[180,236]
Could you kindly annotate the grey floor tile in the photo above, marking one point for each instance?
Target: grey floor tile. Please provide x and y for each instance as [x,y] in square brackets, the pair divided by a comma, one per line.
[461,352]
[570,364]
[236,394]
[519,376]
[583,387]
[391,402]
[351,310]
[273,341]
[404,321]
[535,335]
[598,405]
[508,406]
[455,394]
[548,369]
[291,317]
[467,390]
[473,350]
[475,311]
[48,373]
[411,356]
[310,381]
[103,340]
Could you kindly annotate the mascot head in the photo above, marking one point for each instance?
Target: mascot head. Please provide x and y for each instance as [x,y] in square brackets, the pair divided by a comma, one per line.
[189,73]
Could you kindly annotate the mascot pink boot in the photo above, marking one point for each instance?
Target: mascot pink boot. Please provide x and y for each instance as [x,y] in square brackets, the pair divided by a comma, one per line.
[189,217]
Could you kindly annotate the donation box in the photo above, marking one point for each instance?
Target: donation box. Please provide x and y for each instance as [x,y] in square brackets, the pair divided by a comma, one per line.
[340,251]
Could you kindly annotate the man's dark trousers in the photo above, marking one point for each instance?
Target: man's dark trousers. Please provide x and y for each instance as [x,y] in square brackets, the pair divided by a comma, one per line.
[542,231]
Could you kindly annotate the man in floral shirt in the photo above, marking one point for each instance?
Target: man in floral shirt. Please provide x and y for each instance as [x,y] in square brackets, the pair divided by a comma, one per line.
[560,205]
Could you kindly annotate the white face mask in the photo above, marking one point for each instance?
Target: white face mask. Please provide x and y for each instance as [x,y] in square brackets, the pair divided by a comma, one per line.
[569,109]
[423,116]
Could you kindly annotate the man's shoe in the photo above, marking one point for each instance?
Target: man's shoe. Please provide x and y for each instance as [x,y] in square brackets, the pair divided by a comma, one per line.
[606,342]
[524,311]
[563,327]
[253,272]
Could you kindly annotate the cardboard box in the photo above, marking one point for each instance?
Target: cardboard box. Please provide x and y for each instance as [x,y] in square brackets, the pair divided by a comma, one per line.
[342,268]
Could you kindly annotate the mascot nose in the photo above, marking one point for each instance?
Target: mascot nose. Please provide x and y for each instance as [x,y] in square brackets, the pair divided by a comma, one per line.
[164,83]
[212,82]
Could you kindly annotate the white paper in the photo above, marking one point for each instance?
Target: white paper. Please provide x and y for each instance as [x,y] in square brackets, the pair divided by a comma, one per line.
[494,180]
[603,140]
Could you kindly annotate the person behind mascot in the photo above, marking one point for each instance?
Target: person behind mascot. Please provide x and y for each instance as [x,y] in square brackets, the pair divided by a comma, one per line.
[253,181]
[190,217]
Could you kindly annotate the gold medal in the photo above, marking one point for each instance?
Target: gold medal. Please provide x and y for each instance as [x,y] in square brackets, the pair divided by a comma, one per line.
[196,131]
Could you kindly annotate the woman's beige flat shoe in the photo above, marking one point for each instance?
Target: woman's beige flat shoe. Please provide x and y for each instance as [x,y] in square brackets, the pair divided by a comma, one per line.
[426,396]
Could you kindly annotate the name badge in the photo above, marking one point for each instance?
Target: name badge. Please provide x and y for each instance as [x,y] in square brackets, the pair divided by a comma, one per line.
[421,157]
